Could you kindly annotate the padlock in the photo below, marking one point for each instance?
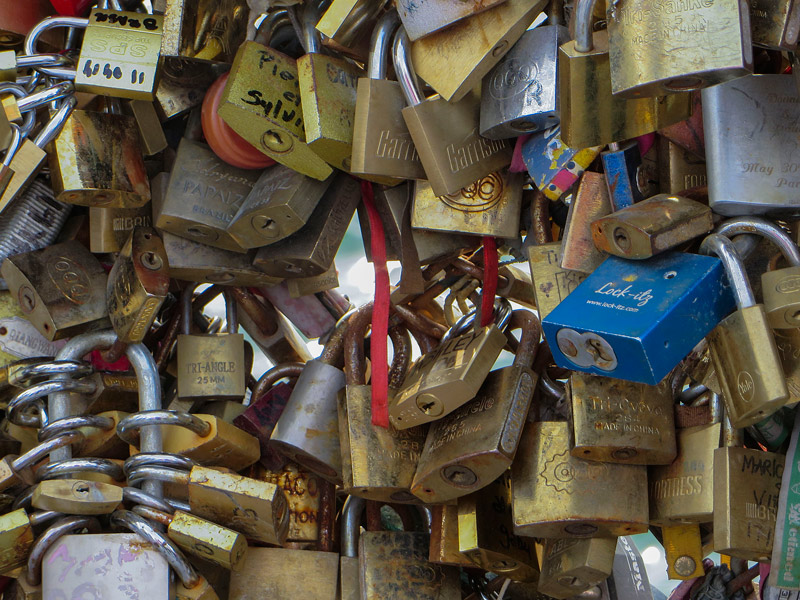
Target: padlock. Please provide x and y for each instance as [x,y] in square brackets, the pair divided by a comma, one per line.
[279,204]
[119,55]
[678,168]
[489,206]
[584,72]
[310,251]
[349,584]
[16,531]
[328,96]
[444,548]
[148,124]
[554,494]
[31,222]
[747,482]
[589,203]
[209,541]
[60,288]
[472,446]
[18,337]
[137,285]
[395,564]
[707,44]
[304,496]
[426,17]
[378,463]
[486,533]
[572,566]
[742,347]
[454,61]
[97,161]
[519,94]
[622,165]
[29,159]
[307,431]
[252,104]
[779,286]
[652,226]
[621,421]
[205,439]
[622,321]
[774,24]
[203,195]
[453,153]
[255,508]
[767,164]
[109,228]
[551,282]
[554,166]
[211,366]
[77,497]
[200,33]
[383,150]
[451,375]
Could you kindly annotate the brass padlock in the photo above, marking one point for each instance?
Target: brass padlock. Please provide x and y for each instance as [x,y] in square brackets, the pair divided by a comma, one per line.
[383,150]
[378,463]
[424,18]
[148,124]
[652,226]
[708,43]
[453,153]
[454,61]
[284,572]
[109,228]
[486,533]
[590,114]
[97,161]
[137,285]
[444,537]
[489,206]
[590,202]
[472,446]
[557,495]
[774,24]
[778,286]
[551,282]
[203,195]
[328,96]
[261,102]
[310,251]
[679,169]
[743,348]
[572,566]
[279,203]
[77,497]
[61,289]
[449,376]
[200,33]
[210,366]
[621,421]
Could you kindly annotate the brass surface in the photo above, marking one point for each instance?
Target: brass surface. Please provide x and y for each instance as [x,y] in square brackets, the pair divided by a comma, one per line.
[271,573]
[77,497]
[224,445]
[109,228]
[211,366]
[572,566]
[591,201]
[551,282]
[684,551]
[219,545]
[444,537]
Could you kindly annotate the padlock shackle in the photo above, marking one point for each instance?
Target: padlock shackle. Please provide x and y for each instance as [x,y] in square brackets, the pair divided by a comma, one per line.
[14,145]
[53,127]
[29,118]
[584,9]
[333,351]
[354,359]
[153,514]
[47,95]
[404,68]
[351,522]
[275,374]
[43,516]
[187,295]
[161,474]
[30,373]
[312,42]
[37,453]
[725,250]
[128,427]
[379,44]
[54,428]
[231,312]
[137,496]
[764,228]
[57,530]
[71,466]
[24,399]
[401,355]
[50,23]
[274,20]
[529,340]
[165,546]
[158,459]
[418,322]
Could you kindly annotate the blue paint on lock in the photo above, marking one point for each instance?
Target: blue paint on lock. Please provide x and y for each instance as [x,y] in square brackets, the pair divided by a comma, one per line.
[636,320]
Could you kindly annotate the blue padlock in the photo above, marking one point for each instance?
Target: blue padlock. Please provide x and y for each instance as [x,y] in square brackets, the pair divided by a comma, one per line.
[622,164]
[636,320]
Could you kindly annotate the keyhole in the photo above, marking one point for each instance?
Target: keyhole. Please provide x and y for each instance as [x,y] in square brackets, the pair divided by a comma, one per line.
[596,349]
[266,226]
[621,239]
[459,475]
[276,141]
[81,488]
[27,299]
[151,261]
[430,405]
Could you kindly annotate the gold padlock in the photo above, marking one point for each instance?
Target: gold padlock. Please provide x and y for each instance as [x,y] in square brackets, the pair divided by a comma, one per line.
[572,566]
[109,228]
[551,282]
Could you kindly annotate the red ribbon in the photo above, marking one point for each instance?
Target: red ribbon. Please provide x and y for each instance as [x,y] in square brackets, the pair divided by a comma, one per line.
[380,312]
[489,289]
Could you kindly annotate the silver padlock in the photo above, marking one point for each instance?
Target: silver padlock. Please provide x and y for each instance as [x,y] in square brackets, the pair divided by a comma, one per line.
[520,94]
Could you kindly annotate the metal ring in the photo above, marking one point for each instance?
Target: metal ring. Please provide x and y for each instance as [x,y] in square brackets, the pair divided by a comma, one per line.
[764,228]
[381,43]
[724,249]
[129,425]
[404,68]
[43,516]
[49,537]
[50,23]
[137,496]
[158,459]
[167,548]
[502,314]
[47,95]
[55,428]
[37,453]
[40,390]
[43,370]
[23,500]
[70,466]
[160,517]
[178,505]
[158,474]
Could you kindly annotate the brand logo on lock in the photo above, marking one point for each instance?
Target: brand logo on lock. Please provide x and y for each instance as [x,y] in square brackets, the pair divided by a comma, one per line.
[71,279]
[563,473]
[787,285]
[478,196]
[745,386]
[514,77]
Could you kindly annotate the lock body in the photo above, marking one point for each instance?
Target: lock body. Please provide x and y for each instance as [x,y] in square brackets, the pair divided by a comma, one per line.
[623,320]
[590,202]
[571,566]
[302,489]
[109,228]
[283,572]
[551,282]
[775,24]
